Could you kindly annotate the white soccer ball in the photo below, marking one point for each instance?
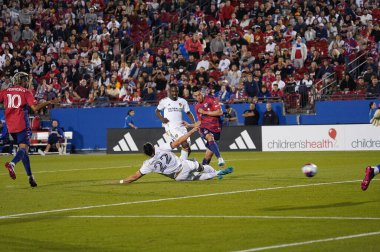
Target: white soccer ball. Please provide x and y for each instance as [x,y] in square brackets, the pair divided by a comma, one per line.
[309,170]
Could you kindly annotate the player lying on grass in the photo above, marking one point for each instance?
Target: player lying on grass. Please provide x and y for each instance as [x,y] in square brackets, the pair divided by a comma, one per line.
[371,171]
[163,161]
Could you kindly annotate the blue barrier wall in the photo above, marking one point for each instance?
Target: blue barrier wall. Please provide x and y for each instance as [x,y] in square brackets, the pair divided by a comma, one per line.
[89,125]
[339,112]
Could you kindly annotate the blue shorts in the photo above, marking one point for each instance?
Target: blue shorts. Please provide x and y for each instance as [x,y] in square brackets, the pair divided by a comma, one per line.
[22,137]
[205,131]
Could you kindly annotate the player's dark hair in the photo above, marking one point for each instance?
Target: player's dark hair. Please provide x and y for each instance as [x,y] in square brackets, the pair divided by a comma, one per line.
[129,111]
[173,86]
[195,89]
[148,149]
[370,104]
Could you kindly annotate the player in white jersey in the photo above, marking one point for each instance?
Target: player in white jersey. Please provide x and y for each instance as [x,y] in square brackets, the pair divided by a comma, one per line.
[163,161]
[172,121]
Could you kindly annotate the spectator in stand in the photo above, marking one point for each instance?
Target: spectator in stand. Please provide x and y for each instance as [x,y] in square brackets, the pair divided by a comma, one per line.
[251,115]
[280,83]
[321,32]
[276,92]
[251,86]
[348,83]
[373,89]
[325,70]
[310,34]
[226,12]
[223,95]
[194,46]
[217,45]
[264,93]
[299,53]
[270,117]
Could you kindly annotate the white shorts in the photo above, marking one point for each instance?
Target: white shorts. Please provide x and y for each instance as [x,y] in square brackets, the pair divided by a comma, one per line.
[187,171]
[176,132]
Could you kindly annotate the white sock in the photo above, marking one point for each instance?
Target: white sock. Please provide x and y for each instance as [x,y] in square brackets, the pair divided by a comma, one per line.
[208,169]
[184,154]
[376,169]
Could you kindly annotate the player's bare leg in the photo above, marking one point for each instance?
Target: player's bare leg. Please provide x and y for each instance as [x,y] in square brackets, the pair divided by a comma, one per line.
[185,152]
[213,146]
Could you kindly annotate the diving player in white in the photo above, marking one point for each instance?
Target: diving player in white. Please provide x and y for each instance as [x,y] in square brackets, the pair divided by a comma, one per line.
[163,161]
[172,120]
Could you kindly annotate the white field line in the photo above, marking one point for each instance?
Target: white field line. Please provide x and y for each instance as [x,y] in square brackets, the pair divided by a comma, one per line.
[174,198]
[310,242]
[84,169]
[218,217]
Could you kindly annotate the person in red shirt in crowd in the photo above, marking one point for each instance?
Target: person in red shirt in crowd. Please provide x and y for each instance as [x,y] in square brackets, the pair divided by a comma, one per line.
[208,112]
[16,100]
[194,46]
[226,12]
[276,92]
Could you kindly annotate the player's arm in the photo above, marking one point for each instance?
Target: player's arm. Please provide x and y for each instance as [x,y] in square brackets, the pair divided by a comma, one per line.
[44,104]
[183,138]
[159,115]
[217,112]
[132,178]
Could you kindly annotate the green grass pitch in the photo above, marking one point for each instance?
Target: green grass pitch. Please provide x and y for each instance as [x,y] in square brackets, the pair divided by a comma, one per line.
[266,204]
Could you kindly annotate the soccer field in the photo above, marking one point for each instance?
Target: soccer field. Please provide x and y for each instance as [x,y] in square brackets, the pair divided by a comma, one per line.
[266,204]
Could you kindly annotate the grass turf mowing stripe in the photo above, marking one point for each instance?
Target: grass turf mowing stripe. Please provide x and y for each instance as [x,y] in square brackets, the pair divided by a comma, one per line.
[311,242]
[174,198]
[221,217]
[85,169]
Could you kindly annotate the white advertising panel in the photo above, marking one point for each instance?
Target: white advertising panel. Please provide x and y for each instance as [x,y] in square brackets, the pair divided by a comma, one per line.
[321,137]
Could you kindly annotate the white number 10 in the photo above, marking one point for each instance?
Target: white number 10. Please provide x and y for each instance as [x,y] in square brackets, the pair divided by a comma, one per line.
[14,101]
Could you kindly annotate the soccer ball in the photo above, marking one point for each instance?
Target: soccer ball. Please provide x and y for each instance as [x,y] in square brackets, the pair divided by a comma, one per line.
[309,170]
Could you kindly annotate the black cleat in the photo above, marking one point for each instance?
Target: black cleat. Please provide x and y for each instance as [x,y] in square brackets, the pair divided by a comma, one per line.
[32,182]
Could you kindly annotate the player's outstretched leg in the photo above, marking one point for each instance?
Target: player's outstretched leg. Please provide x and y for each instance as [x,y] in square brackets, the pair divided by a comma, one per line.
[11,165]
[28,170]
[226,171]
[370,172]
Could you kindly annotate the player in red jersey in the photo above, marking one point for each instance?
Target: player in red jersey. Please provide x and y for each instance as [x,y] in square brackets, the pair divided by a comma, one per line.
[16,99]
[208,112]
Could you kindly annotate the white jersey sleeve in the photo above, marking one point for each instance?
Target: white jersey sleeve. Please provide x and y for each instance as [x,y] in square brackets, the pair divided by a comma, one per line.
[162,104]
[186,107]
[165,147]
[146,168]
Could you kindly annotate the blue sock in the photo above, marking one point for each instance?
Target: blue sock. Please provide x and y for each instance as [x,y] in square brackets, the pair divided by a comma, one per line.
[19,155]
[214,148]
[26,162]
[206,161]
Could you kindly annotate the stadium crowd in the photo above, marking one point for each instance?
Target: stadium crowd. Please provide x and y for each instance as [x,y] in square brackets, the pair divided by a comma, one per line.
[102,52]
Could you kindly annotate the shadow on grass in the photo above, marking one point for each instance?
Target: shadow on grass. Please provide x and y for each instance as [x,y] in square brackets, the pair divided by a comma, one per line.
[333,205]
[12,243]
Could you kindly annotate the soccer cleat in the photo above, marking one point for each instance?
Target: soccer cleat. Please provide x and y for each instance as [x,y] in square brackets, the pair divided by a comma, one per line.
[369,174]
[226,171]
[11,170]
[41,152]
[32,181]
[221,161]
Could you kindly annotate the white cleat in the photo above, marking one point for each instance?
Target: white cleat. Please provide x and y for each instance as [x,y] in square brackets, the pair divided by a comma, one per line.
[221,161]
[41,152]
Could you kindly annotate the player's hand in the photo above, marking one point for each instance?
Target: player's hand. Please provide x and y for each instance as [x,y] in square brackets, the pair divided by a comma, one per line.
[376,118]
[165,120]
[197,124]
[186,124]
[201,111]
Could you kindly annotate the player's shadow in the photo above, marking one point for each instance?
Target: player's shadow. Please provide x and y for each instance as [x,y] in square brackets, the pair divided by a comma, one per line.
[333,205]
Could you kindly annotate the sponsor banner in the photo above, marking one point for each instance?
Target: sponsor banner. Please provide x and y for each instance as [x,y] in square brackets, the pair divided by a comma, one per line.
[120,141]
[321,138]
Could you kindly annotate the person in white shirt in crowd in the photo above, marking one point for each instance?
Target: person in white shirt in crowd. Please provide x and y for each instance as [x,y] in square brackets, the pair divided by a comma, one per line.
[203,63]
[280,83]
[163,161]
[299,53]
[224,63]
[310,34]
[172,120]
[270,45]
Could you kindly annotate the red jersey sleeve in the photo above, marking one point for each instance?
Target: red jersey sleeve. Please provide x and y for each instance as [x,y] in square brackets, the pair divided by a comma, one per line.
[30,98]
